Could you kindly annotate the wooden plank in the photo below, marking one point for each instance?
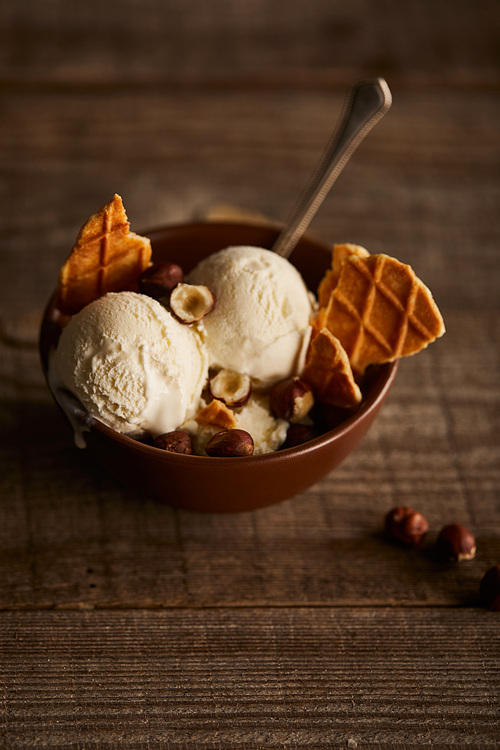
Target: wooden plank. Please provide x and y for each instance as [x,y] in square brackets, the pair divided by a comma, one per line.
[73,537]
[236,678]
[180,43]
[172,155]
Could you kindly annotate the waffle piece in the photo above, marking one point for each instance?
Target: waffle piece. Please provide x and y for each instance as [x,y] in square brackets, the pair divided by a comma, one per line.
[216,414]
[328,372]
[106,257]
[380,311]
[331,277]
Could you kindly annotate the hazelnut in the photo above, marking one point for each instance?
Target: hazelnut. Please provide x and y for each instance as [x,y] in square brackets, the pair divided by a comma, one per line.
[159,279]
[298,434]
[230,443]
[330,416]
[291,399]
[231,387]
[406,525]
[489,588]
[456,543]
[176,441]
[191,302]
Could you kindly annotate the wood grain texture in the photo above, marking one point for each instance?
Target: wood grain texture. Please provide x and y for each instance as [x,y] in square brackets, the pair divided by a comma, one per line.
[172,155]
[124,623]
[255,678]
[73,537]
[255,42]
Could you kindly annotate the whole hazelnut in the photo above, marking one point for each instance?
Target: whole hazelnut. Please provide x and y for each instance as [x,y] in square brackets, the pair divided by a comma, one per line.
[230,444]
[298,434]
[489,588]
[159,279]
[176,441]
[291,399]
[406,525]
[456,543]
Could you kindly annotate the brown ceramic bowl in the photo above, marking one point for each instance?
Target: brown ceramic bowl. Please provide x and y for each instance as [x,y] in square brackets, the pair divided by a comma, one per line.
[218,485]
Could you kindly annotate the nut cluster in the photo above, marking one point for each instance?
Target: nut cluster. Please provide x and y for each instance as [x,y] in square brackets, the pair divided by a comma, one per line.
[454,543]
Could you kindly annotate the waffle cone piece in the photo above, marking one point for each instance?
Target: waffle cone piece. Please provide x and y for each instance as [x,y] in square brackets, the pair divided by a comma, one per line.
[216,414]
[332,275]
[329,373]
[106,257]
[380,311]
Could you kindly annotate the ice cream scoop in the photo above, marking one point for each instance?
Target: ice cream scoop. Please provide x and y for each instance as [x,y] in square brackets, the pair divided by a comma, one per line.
[131,364]
[260,324]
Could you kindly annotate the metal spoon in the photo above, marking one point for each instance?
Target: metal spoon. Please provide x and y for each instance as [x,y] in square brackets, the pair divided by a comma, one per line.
[365,104]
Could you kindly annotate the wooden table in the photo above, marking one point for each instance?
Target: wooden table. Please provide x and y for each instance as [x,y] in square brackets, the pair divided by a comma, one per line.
[125,623]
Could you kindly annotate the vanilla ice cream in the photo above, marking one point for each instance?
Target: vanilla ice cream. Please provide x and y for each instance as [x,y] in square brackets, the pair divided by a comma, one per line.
[260,324]
[132,364]
[267,432]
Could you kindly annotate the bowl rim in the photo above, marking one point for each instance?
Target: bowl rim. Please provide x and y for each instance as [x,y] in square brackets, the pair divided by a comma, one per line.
[377,393]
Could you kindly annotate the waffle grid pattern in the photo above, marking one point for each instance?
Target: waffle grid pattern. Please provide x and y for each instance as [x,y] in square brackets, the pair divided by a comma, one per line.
[106,257]
[374,307]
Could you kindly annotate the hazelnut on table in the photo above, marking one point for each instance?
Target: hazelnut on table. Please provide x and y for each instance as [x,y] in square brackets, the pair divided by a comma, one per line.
[456,543]
[406,525]
[489,588]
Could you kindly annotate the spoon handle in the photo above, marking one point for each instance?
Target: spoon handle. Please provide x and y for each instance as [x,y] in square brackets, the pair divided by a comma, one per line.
[365,104]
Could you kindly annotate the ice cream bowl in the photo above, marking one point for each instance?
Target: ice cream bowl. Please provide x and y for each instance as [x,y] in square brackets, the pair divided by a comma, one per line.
[202,483]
